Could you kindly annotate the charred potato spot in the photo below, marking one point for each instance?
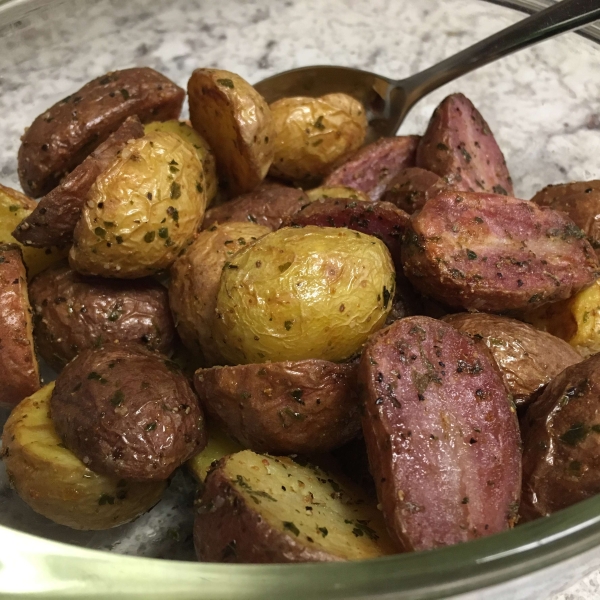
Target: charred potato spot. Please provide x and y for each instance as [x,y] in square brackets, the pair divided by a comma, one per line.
[56,484]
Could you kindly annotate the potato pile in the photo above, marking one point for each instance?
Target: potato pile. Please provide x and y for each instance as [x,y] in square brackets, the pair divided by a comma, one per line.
[257,295]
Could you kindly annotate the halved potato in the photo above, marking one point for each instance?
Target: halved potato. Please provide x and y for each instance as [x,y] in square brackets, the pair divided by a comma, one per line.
[338,191]
[56,484]
[236,121]
[262,509]
[219,445]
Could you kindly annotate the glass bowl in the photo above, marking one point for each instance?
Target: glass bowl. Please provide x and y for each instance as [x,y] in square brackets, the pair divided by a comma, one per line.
[543,105]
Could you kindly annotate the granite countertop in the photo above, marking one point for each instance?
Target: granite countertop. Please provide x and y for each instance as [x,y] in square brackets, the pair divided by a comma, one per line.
[543,104]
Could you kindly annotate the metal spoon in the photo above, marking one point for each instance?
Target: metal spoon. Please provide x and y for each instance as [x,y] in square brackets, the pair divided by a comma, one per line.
[388,101]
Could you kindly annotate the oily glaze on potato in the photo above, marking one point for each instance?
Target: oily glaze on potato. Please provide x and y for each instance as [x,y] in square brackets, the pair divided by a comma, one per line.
[142,211]
[442,435]
[195,281]
[127,413]
[315,133]
[236,121]
[205,154]
[73,313]
[304,407]
[561,435]
[527,358]
[263,509]
[315,292]
[57,484]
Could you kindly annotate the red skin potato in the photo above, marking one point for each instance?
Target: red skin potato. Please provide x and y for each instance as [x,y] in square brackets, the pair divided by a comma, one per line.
[411,188]
[442,435]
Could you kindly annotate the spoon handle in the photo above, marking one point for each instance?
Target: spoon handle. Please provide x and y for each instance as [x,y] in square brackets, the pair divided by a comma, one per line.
[558,18]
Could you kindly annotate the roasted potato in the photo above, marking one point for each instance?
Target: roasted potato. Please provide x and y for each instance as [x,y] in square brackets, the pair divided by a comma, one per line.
[371,168]
[127,413]
[302,407]
[268,205]
[315,292]
[236,121]
[262,509]
[442,435]
[195,280]
[527,358]
[61,137]
[325,192]
[19,371]
[411,188]
[73,313]
[205,153]
[14,207]
[56,484]
[313,134]
[56,214]
[562,442]
[142,211]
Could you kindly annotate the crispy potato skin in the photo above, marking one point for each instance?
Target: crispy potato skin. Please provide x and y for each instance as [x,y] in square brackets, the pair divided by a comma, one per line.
[460,147]
[303,407]
[371,168]
[74,313]
[236,121]
[527,358]
[254,510]
[439,427]
[495,253]
[127,413]
[53,221]
[268,205]
[61,137]
[313,134]
[562,443]
[142,211]
[195,281]
[19,372]
[581,201]
[412,187]
[314,292]
[56,484]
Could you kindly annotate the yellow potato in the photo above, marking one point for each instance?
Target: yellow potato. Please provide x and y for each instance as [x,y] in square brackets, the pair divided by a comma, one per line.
[14,207]
[205,154]
[236,121]
[142,211]
[56,484]
[219,445]
[299,293]
[313,134]
[324,192]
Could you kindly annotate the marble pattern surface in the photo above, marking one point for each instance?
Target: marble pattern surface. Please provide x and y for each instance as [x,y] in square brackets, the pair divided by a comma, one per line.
[543,104]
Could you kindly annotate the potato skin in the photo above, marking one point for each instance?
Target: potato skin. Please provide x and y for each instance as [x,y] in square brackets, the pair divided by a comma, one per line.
[527,358]
[562,442]
[236,121]
[195,281]
[441,433]
[495,253]
[268,205]
[315,292]
[460,147]
[581,201]
[371,168]
[253,511]
[61,137]
[55,216]
[74,313]
[127,413]
[142,211]
[411,188]
[56,484]
[19,371]
[315,133]
[304,407]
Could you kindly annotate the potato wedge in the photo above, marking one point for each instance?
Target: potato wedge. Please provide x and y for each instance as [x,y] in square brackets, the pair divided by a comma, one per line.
[142,211]
[219,445]
[313,134]
[56,484]
[236,121]
[262,509]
